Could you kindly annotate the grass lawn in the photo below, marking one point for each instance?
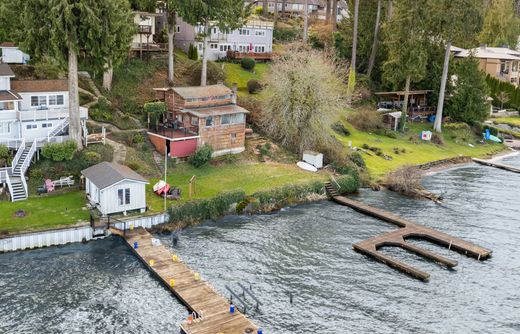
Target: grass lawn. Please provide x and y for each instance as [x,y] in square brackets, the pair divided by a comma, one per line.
[44,212]
[415,153]
[235,73]
[512,121]
[210,180]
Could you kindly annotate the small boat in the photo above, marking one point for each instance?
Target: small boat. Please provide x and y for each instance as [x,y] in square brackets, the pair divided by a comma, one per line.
[306,166]
[161,187]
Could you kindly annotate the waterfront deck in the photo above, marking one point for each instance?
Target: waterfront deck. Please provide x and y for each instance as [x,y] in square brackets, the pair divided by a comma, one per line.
[407,230]
[196,294]
[497,165]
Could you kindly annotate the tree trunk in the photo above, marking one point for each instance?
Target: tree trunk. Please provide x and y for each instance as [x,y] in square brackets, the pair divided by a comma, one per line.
[352,74]
[440,104]
[107,76]
[74,116]
[171,36]
[373,53]
[390,10]
[264,7]
[204,74]
[404,111]
[327,11]
[283,7]
[275,13]
[334,15]
[305,21]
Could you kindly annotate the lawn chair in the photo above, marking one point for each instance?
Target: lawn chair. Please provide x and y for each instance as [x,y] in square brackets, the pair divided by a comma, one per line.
[49,185]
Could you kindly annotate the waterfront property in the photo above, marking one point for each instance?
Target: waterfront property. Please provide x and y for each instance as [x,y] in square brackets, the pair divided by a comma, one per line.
[419,109]
[146,33]
[197,116]
[32,113]
[112,188]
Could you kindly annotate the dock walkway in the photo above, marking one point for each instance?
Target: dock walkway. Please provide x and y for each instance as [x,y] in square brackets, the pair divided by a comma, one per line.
[196,294]
[407,230]
[497,165]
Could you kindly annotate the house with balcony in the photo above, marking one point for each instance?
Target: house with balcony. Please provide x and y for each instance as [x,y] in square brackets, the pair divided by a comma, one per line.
[254,39]
[197,116]
[296,7]
[499,62]
[145,37]
[32,113]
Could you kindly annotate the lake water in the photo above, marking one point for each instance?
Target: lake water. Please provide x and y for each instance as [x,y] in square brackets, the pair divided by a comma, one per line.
[300,264]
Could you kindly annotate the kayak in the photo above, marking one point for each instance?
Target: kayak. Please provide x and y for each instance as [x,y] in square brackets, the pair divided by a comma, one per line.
[306,166]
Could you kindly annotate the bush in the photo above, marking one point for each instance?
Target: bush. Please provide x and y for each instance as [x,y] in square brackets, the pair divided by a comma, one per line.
[259,10]
[4,152]
[366,120]
[357,159]
[92,157]
[248,63]
[437,139]
[59,151]
[253,86]
[138,138]
[193,52]
[201,156]
[406,180]
[340,129]
[347,183]
[285,34]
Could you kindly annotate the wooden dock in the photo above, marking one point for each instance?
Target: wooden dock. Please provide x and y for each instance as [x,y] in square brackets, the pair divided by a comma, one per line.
[497,165]
[212,310]
[407,230]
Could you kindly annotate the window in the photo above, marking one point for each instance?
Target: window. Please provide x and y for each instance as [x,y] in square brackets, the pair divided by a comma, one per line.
[55,100]
[515,67]
[233,138]
[209,121]
[120,196]
[194,121]
[244,32]
[215,30]
[123,196]
[6,106]
[260,48]
[38,101]
[259,32]
[47,125]
[31,126]
[225,47]
[213,46]
[177,28]
[127,196]
[5,127]
[232,119]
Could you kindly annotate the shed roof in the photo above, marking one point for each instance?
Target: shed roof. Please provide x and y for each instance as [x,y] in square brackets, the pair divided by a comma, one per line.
[26,86]
[105,174]
[216,111]
[6,95]
[5,71]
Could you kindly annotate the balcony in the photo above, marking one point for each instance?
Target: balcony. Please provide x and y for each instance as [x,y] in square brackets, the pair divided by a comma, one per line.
[44,114]
[179,143]
[144,29]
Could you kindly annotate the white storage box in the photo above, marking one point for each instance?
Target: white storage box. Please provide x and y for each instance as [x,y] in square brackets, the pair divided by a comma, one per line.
[313,158]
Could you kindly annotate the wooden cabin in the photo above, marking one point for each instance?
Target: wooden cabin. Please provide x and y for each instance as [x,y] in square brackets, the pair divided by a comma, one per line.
[418,108]
[197,116]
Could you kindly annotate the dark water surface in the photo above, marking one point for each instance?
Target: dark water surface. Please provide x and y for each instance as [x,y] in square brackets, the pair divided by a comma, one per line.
[304,252]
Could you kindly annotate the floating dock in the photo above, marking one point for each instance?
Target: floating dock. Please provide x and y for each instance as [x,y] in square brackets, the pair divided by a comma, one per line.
[407,230]
[497,165]
[211,310]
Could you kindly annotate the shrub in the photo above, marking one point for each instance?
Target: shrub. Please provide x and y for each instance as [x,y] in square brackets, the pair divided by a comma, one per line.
[59,151]
[193,52]
[405,180]
[366,120]
[138,138]
[4,152]
[437,139]
[92,157]
[248,63]
[357,159]
[259,10]
[253,86]
[347,183]
[285,34]
[201,156]
[340,129]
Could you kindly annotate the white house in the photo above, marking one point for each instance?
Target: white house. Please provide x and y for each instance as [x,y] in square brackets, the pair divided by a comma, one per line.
[114,188]
[144,37]
[255,36]
[12,54]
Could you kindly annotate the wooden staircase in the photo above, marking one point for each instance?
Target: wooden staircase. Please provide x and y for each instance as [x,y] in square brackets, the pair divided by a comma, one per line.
[331,190]
[17,189]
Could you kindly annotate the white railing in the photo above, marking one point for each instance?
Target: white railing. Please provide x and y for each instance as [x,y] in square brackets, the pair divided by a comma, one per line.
[39,114]
[9,185]
[28,159]
[11,143]
[57,129]
[3,174]
[16,158]
[22,178]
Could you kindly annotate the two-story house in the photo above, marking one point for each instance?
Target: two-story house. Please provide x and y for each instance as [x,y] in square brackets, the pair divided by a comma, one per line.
[501,63]
[254,38]
[32,113]
[198,116]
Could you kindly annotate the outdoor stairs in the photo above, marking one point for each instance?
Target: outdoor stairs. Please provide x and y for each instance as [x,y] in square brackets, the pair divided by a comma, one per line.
[18,191]
[17,170]
[331,190]
[59,128]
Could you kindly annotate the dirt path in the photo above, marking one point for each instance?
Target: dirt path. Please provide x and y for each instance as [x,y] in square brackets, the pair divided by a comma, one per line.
[119,151]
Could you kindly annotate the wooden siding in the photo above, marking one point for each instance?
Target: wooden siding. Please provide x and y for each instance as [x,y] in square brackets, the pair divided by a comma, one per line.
[219,136]
[109,201]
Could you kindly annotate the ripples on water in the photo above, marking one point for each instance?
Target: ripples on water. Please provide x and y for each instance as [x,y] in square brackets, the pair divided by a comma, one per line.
[306,252]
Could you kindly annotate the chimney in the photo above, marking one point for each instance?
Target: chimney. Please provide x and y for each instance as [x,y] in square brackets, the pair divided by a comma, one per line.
[234,89]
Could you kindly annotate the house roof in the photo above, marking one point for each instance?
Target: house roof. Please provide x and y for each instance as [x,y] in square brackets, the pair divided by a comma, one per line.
[105,174]
[5,71]
[7,45]
[206,91]
[485,52]
[6,95]
[412,92]
[26,86]
[216,111]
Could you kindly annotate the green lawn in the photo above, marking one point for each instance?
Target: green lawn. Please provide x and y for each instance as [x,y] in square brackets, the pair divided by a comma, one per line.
[512,121]
[44,212]
[210,180]
[415,153]
[235,73]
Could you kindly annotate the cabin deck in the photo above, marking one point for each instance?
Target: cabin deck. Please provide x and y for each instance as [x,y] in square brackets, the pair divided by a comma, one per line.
[196,294]
[408,230]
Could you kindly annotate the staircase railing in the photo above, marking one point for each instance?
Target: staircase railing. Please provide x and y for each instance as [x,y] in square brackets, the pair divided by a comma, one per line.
[28,159]
[9,185]
[24,183]
[57,129]
[16,158]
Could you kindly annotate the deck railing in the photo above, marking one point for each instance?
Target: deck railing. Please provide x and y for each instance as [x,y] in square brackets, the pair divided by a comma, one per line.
[16,158]
[28,159]
[9,185]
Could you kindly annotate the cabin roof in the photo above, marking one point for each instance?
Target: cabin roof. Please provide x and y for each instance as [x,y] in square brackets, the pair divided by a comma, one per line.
[198,92]
[5,71]
[6,95]
[105,174]
[216,111]
[60,85]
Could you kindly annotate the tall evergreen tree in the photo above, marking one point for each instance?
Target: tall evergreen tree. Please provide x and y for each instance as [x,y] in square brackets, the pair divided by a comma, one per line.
[352,71]
[501,26]
[67,29]
[226,15]
[452,21]
[373,52]
[407,43]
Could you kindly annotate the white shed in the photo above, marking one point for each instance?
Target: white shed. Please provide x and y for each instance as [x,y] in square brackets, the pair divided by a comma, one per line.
[11,54]
[313,158]
[115,188]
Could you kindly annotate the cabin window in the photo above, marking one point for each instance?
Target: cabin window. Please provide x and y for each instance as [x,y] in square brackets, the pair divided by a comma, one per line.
[260,33]
[515,67]
[5,127]
[127,196]
[194,121]
[215,30]
[47,125]
[213,46]
[55,100]
[31,126]
[209,121]
[259,48]
[232,119]
[233,138]
[38,101]
[178,29]
[123,196]
[120,196]
[244,32]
